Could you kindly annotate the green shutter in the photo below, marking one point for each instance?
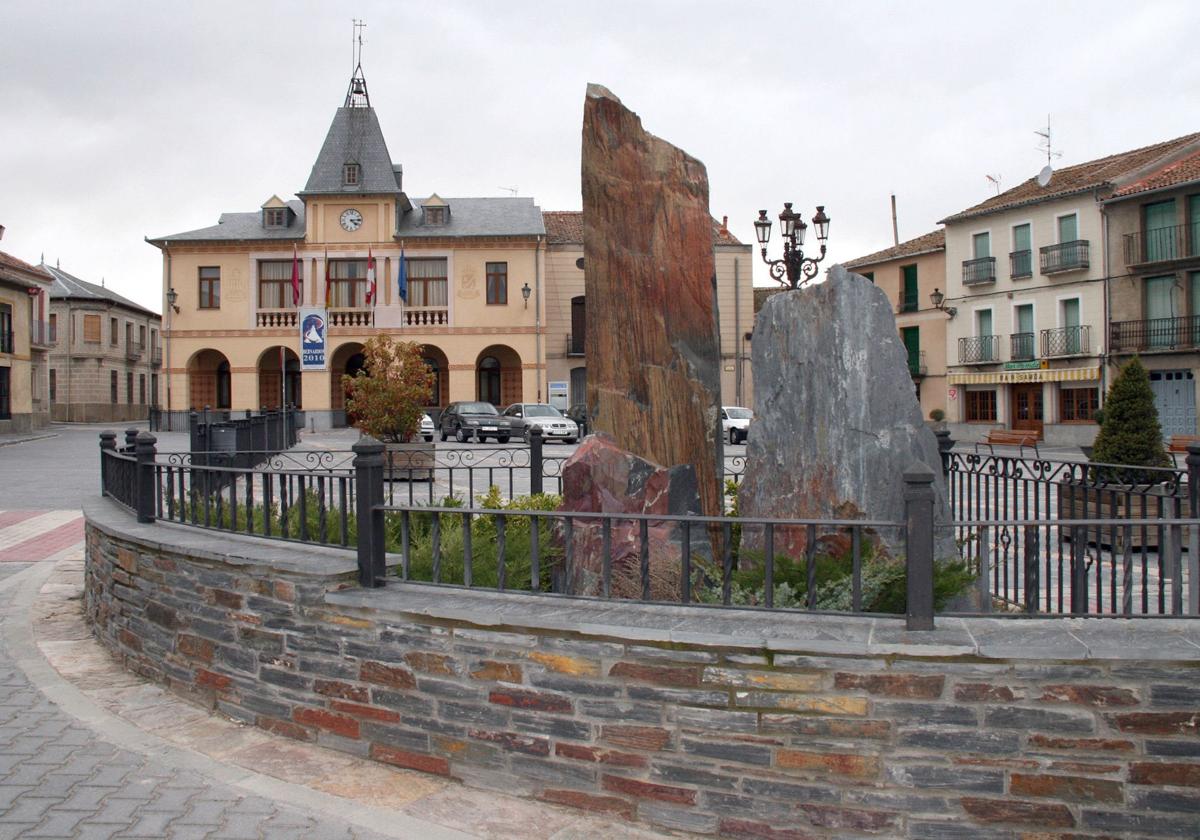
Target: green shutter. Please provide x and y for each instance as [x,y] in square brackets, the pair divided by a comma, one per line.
[1070,321]
[1194,294]
[1194,219]
[982,245]
[1160,230]
[911,301]
[1068,228]
[1160,309]
[912,343]
[1022,240]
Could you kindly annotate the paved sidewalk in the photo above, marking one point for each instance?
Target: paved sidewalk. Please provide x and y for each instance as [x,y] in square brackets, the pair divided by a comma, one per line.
[73,764]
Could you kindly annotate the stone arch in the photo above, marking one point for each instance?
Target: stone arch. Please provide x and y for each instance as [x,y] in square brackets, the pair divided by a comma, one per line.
[498,375]
[208,375]
[347,359]
[440,364]
[269,378]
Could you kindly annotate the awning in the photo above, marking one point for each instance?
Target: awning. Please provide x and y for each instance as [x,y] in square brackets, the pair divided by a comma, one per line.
[1002,377]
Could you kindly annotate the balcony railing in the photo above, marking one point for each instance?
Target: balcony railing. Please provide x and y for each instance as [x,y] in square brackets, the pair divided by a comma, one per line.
[156,356]
[979,349]
[426,316]
[1155,334]
[1021,347]
[43,334]
[1066,341]
[1066,256]
[276,318]
[6,341]
[1020,264]
[982,270]
[916,363]
[352,317]
[574,345]
[133,350]
[1163,244]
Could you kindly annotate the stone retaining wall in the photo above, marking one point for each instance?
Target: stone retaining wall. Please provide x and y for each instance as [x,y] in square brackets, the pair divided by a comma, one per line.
[757,725]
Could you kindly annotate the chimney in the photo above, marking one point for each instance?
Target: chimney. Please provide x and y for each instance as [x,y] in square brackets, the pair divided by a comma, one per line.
[724,224]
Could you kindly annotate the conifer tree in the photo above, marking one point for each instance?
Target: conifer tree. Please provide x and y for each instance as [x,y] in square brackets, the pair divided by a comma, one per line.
[1130,433]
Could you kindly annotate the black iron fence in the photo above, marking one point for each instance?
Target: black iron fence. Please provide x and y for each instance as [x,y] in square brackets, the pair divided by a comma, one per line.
[1066,341]
[1154,334]
[1066,256]
[1032,535]
[978,348]
[1163,244]
[981,270]
[1021,346]
[1020,263]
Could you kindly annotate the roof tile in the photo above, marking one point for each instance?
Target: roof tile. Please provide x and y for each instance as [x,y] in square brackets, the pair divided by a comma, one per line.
[933,241]
[1182,171]
[565,227]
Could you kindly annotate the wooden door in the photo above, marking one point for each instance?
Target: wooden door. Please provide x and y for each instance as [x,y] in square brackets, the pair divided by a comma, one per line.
[1027,408]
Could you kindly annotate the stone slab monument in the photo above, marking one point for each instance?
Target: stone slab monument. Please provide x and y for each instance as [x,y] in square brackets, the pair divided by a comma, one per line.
[836,419]
[653,356]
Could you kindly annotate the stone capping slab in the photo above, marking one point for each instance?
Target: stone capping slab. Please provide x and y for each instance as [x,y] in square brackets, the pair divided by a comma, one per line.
[1057,639]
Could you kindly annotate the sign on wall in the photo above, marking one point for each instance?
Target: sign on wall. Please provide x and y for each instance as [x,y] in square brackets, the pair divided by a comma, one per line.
[558,395]
[312,338]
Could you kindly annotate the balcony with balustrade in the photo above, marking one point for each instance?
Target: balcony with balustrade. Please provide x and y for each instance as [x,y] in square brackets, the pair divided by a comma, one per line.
[574,345]
[1066,341]
[977,271]
[43,335]
[1163,245]
[134,350]
[1021,347]
[282,318]
[1020,264]
[917,366]
[426,316]
[156,356]
[1065,256]
[979,350]
[1155,335]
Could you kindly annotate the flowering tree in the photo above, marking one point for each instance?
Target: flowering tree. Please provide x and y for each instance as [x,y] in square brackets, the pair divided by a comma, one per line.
[386,396]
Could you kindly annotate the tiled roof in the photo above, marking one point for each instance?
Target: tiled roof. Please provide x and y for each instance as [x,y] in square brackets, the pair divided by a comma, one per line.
[354,137]
[565,227]
[69,286]
[495,216]
[1182,171]
[238,227]
[1083,177]
[8,261]
[933,241]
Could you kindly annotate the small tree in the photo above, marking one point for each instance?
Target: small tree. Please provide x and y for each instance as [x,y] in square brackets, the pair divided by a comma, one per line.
[1130,433]
[386,396]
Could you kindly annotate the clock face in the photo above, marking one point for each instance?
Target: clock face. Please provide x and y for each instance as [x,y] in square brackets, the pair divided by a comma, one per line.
[351,220]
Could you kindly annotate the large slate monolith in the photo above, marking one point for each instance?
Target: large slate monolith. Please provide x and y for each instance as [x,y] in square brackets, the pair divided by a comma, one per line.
[836,418]
[653,358]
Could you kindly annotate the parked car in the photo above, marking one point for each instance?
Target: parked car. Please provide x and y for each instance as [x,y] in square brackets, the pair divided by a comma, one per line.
[427,427]
[578,413]
[549,419]
[735,423]
[478,420]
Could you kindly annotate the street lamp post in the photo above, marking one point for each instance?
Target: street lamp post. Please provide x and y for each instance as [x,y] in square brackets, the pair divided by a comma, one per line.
[794,269]
[172,297]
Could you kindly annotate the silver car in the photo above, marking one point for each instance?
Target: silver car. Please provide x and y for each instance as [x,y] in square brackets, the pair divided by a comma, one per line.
[553,423]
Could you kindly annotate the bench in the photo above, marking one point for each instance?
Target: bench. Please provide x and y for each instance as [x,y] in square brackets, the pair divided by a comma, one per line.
[1011,437]
[1180,443]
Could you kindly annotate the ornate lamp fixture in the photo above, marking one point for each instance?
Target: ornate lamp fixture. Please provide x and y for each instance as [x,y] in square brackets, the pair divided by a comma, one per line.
[525,291]
[794,269]
[939,303]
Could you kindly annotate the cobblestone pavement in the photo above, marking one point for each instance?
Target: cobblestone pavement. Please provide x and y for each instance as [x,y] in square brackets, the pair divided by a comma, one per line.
[88,750]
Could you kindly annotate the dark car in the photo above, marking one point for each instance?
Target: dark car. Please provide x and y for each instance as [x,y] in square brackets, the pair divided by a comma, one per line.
[478,420]
[578,413]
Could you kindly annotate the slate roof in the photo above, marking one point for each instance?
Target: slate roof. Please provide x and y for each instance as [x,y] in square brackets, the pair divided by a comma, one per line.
[69,286]
[503,216]
[1106,172]
[238,227]
[1183,171]
[565,227]
[8,261]
[924,244]
[354,137]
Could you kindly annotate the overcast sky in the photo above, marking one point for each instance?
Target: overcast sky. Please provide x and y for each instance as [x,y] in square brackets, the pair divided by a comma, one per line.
[120,120]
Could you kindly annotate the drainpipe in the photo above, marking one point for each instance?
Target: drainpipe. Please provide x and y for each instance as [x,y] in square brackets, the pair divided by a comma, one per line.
[737,329]
[537,315]
[1104,357]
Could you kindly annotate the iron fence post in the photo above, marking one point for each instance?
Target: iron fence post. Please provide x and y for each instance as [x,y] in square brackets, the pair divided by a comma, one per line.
[1193,471]
[368,479]
[918,515]
[945,444]
[535,460]
[1079,580]
[130,438]
[108,443]
[144,477]
[1032,578]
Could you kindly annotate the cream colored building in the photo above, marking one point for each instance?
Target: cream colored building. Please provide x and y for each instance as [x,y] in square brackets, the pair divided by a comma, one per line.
[104,366]
[487,299]
[25,338]
[909,273]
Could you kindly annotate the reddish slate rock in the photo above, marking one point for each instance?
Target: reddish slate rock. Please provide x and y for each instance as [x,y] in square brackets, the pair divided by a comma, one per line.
[653,379]
[600,477]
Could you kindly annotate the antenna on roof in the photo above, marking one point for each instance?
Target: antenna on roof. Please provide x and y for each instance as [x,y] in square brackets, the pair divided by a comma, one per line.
[995,179]
[509,190]
[1046,145]
[356,96]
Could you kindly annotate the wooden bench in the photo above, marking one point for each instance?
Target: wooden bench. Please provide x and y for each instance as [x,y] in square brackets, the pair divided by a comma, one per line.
[1180,443]
[1011,437]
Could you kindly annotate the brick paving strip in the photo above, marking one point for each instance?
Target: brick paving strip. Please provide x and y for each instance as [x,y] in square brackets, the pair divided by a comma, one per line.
[90,750]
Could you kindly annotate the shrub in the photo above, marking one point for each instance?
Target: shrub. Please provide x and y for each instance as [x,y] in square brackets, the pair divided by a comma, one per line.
[937,415]
[1130,434]
[386,396]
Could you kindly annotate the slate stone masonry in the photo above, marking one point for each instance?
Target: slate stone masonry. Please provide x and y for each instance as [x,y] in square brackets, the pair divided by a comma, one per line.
[725,722]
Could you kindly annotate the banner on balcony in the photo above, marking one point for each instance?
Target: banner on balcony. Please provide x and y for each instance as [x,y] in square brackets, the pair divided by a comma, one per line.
[313,322]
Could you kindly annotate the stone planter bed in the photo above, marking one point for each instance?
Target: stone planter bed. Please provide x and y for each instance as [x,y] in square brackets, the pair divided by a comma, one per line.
[718,721]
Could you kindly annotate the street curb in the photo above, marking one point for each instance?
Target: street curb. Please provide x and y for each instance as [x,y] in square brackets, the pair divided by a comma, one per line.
[27,439]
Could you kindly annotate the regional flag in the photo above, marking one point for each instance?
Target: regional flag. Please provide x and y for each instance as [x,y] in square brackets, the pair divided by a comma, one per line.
[371,291]
[402,276]
[295,278]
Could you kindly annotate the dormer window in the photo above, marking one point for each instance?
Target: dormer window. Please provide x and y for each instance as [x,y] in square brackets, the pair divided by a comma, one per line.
[350,175]
[275,217]
[435,215]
